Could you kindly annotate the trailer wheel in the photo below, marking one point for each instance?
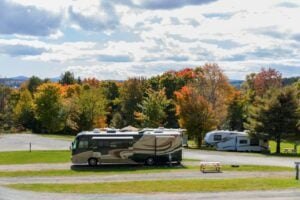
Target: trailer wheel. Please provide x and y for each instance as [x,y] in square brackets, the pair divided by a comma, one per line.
[150,161]
[93,162]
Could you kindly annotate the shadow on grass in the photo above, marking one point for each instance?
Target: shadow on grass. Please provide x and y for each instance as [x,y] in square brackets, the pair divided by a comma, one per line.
[125,167]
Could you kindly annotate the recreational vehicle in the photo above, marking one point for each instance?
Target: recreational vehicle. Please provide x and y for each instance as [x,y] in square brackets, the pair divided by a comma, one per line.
[213,137]
[147,147]
[241,141]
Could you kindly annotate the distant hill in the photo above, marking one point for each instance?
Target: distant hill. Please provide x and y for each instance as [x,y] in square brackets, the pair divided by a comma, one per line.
[17,81]
[290,81]
[236,83]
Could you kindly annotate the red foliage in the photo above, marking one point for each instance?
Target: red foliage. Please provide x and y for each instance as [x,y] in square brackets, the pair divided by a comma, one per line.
[267,79]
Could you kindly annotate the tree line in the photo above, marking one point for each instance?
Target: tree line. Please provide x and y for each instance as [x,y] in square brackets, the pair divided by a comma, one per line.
[199,99]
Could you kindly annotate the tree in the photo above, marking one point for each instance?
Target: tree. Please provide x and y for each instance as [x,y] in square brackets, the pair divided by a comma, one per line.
[67,78]
[265,80]
[49,107]
[274,115]
[131,94]
[214,86]
[32,83]
[92,105]
[153,109]
[117,121]
[195,113]
[235,118]
[24,112]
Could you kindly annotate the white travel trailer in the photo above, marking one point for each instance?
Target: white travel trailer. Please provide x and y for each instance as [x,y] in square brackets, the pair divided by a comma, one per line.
[241,141]
[213,137]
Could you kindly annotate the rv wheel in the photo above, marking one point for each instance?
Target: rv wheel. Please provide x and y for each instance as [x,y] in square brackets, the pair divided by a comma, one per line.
[93,162]
[150,161]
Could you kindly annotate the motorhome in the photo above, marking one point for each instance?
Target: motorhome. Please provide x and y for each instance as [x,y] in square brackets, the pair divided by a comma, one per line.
[147,147]
[241,141]
[213,137]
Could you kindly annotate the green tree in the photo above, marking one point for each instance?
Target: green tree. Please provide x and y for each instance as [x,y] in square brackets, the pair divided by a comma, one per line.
[153,109]
[67,78]
[91,104]
[24,111]
[274,115]
[49,107]
[32,83]
[117,121]
[131,94]
[236,114]
[195,113]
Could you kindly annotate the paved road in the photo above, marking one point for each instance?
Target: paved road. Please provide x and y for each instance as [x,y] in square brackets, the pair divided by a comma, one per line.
[145,176]
[10,194]
[240,158]
[16,142]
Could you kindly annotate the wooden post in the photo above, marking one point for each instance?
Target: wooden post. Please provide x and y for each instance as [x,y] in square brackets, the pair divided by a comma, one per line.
[29,146]
[297,170]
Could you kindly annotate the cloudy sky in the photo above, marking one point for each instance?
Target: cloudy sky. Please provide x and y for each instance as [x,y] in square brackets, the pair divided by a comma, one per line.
[117,39]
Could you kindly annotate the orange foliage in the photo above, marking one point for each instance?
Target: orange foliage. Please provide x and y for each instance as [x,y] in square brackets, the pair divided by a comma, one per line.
[91,82]
[266,79]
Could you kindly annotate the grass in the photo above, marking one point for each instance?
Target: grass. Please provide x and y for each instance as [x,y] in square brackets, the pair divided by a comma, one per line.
[26,157]
[246,184]
[115,169]
[283,145]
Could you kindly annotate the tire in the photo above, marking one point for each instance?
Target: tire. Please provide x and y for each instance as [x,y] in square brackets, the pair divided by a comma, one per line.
[150,161]
[93,162]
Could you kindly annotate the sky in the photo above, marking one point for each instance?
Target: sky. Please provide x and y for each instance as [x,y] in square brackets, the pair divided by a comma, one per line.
[118,39]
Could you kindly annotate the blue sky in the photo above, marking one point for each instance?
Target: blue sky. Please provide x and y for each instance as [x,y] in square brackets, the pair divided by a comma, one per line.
[117,39]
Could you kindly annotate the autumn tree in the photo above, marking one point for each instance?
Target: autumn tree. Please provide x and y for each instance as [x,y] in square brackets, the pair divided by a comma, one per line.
[195,113]
[5,93]
[274,115]
[131,94]
[91,104]
[49,107]
[214,86]
[24,110]
[266,79]
[153,109]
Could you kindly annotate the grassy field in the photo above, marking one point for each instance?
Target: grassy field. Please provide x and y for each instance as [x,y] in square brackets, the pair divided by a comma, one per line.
[112,170]
[26,157]
[283,145]
[165,186]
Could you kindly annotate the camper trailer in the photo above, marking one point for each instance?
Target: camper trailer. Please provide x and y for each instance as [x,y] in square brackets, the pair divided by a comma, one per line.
[213,137]
[147,147]
[241,141]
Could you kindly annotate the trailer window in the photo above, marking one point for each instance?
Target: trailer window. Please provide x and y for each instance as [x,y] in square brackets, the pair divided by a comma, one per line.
[254,142]
[217,137]
[243,141]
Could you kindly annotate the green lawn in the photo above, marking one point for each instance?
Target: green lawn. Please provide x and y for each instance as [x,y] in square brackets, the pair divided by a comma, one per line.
[165,186]
[284,144]
[26,157]
[112,170]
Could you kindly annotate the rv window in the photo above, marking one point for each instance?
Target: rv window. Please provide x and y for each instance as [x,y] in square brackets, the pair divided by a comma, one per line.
[120,143]
[217,137]
[243,141]
[83,144]
[254,142]
[101,143]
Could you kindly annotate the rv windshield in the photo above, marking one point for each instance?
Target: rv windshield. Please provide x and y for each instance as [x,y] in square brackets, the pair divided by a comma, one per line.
[74,144]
